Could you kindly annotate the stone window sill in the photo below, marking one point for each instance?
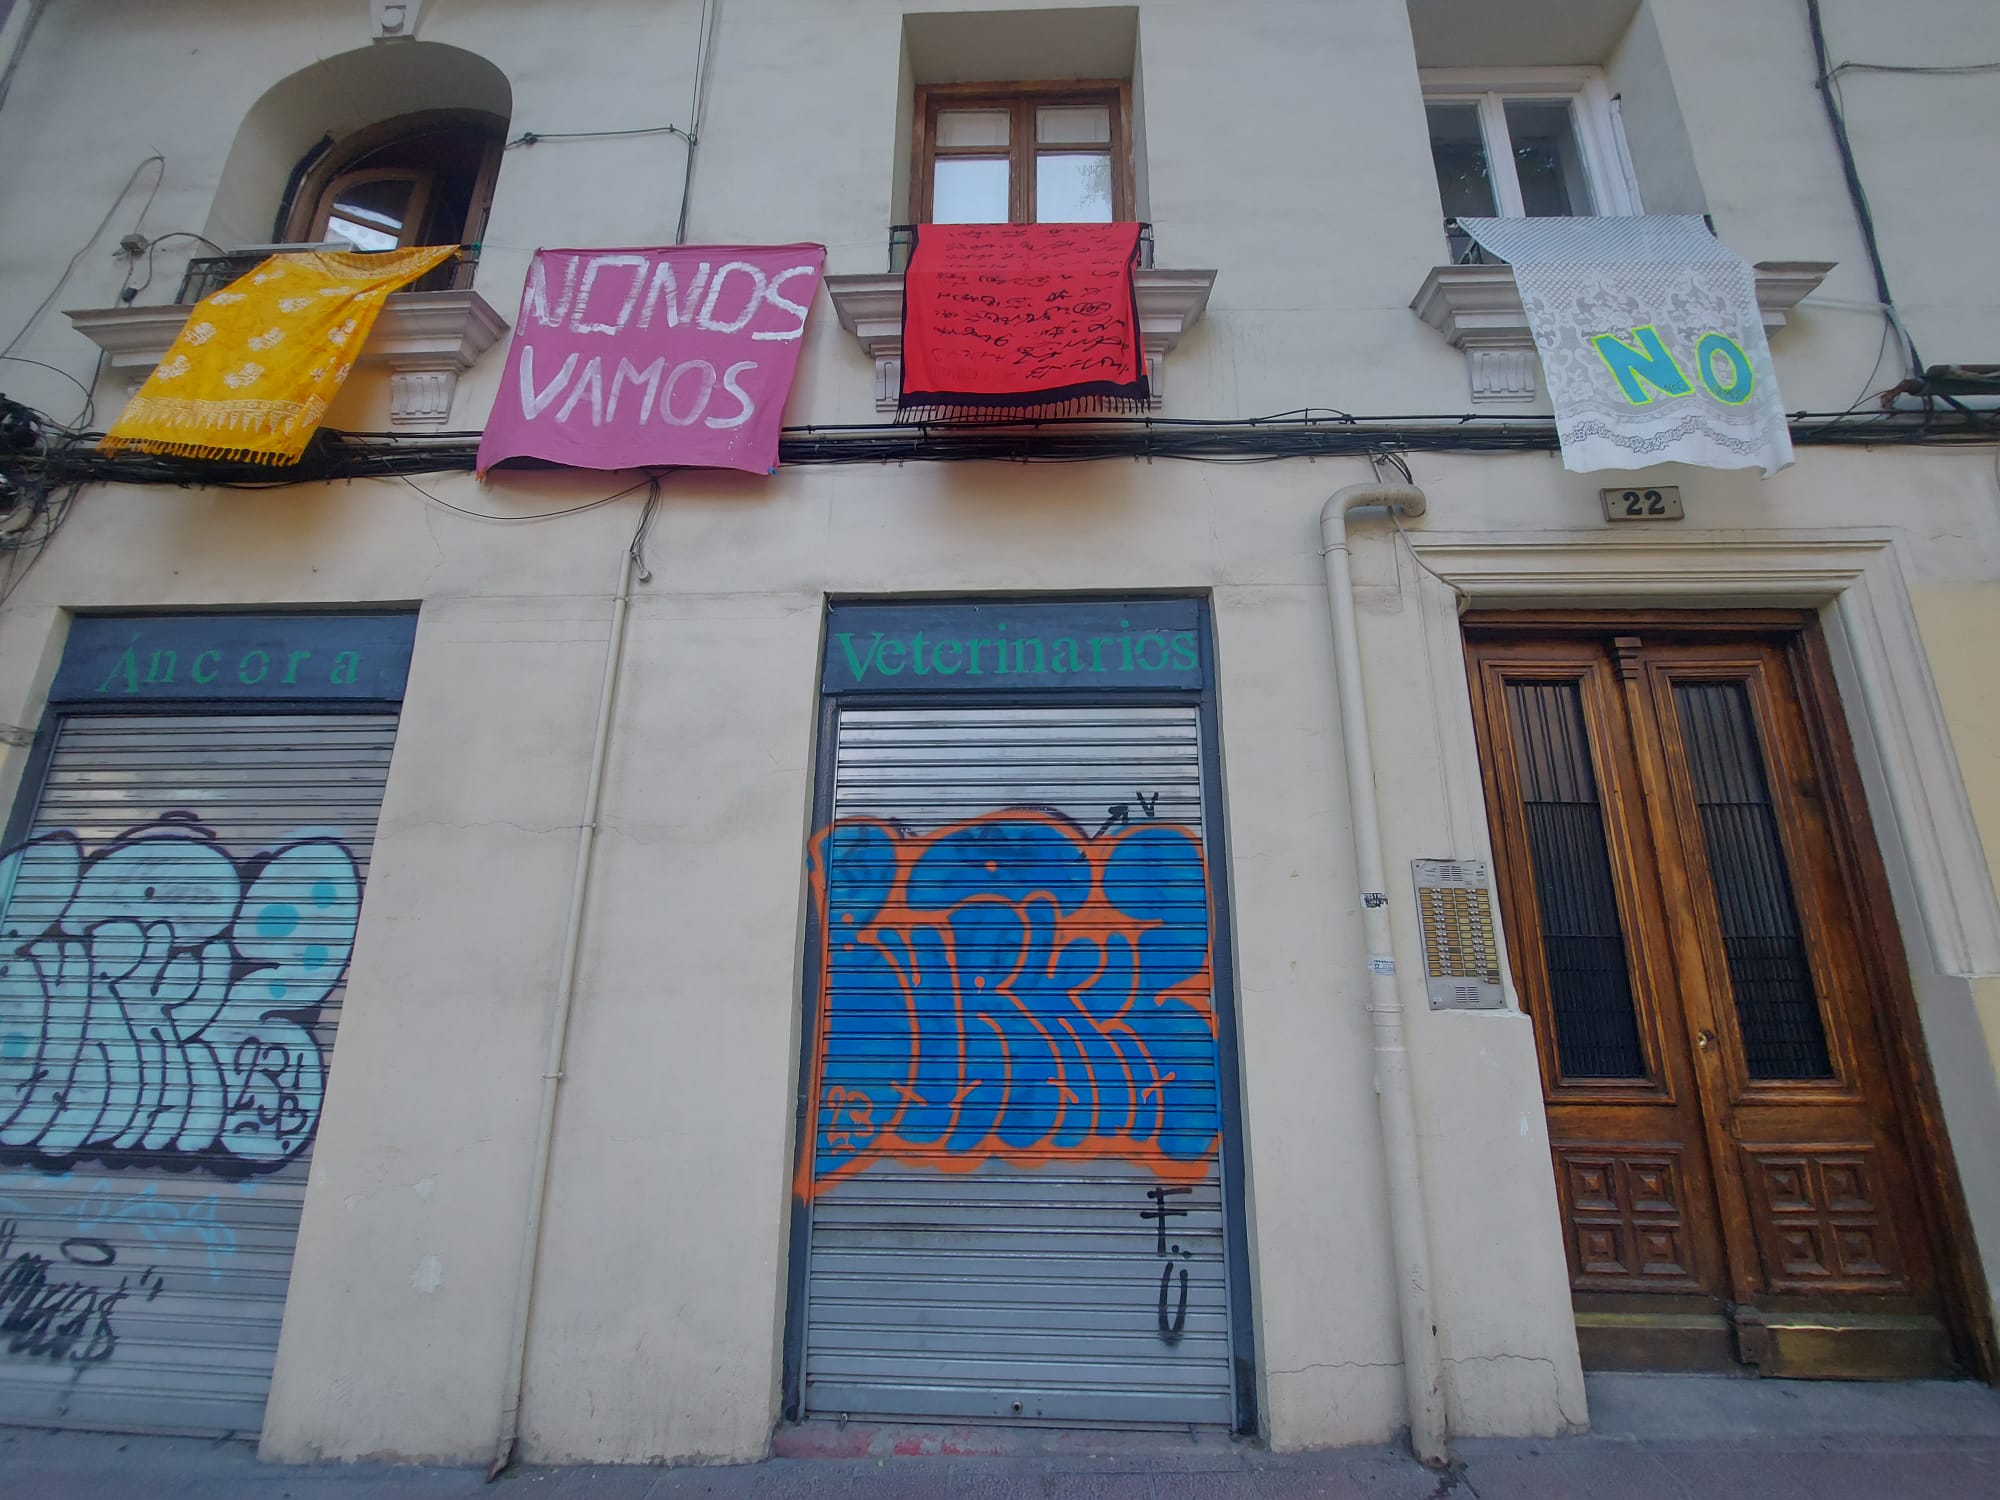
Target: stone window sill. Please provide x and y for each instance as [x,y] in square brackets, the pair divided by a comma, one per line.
[1478,310]
[427,339]
[871,308]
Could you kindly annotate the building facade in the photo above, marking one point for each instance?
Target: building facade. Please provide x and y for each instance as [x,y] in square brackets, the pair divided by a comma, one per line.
[474,973]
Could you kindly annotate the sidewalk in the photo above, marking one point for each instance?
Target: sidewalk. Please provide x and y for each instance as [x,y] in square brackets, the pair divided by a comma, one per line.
[1654,1438]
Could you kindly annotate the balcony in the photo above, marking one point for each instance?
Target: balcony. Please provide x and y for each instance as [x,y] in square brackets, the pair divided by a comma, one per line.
[206,274]
[1477,307]
[870,306]
[428,335]
[903,239]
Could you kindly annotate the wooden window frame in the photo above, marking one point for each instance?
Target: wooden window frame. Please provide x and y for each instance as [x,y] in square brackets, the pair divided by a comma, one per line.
[1020,100]
[348,160]
[1607,165]
[421,183]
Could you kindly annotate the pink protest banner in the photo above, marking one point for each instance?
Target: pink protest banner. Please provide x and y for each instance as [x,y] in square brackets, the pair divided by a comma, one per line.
[680,355]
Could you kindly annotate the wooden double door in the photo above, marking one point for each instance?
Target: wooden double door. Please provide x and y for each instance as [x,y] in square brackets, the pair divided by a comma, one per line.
[1698,926]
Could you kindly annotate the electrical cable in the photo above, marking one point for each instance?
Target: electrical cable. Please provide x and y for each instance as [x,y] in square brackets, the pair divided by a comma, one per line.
[1868,390]
[334,454]
[637,547]
[35,10]
[536,137]
[1378,457]
[49,500]
[83,249]
[704,41]
[22,359]
[1868,67]
[545,515]
[152,246]
[1829,96]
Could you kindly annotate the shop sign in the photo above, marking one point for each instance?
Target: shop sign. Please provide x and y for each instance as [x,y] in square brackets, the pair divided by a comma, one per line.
[1014,647]
[238,658]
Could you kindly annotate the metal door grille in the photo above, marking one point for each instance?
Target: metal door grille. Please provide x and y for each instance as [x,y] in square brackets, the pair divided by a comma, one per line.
[1014,1179]
[1776,1008]
[176,930]
[1583,942]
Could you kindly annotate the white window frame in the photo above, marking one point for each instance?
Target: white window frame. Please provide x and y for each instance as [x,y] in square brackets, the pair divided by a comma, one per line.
[1614,190]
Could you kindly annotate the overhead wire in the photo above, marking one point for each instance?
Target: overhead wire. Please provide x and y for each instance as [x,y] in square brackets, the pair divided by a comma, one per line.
[536,137]
[84,249]
[42,364]
[704,40]
[1870,67]
[544,515]
[1836,114]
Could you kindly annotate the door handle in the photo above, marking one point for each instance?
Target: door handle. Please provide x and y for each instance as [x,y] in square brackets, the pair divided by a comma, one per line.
[1704,1039]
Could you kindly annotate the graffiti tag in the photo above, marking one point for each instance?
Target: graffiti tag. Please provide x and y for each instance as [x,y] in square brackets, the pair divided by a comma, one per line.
[1172,1328]
[1012,989]
[157,997]
[64,1317]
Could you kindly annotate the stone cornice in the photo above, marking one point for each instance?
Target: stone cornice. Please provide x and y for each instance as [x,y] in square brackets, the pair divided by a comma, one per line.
[1478,310]
[426,338]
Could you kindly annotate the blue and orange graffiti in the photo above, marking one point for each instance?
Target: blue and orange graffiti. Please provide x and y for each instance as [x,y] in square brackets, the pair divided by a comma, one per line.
[1011,989]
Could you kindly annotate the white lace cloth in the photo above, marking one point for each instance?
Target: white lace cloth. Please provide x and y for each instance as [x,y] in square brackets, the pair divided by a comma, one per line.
[1584,279]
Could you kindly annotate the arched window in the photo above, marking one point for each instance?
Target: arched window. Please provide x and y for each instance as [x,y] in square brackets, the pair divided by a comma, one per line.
[418,179]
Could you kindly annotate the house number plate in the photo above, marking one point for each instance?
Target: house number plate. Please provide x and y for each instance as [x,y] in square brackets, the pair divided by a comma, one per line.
[1660,502]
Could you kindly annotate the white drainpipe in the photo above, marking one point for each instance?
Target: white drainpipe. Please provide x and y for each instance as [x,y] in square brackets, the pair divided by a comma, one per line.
[1409,1232]
[552,1071]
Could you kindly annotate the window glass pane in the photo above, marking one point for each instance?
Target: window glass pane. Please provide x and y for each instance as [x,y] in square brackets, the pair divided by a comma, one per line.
[1459,151]
[370,214]
[1072,189]
[1547,159]
[1583,941]
[1073,125]
[1777,1010]
[972,127]
[969,190]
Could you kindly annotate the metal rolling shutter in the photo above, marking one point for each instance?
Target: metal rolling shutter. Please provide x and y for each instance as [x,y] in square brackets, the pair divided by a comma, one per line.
[1029,1278]
[174,941]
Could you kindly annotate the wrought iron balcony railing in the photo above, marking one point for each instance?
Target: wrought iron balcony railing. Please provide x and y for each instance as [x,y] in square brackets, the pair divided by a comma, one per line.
[1465,250]
[211,273]
[903,236]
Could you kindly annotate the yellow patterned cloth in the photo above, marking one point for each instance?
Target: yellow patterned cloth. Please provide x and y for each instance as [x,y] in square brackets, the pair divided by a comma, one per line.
[258,362]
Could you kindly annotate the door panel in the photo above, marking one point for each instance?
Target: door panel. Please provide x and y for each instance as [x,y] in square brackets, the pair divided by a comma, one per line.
[1729,1152]
[1576,867]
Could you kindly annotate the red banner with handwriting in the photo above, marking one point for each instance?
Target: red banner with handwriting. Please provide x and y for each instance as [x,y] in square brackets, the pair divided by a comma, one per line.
[1021,317]
[680,355]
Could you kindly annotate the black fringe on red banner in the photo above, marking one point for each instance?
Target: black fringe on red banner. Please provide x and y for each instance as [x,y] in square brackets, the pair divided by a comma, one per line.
[1098,398]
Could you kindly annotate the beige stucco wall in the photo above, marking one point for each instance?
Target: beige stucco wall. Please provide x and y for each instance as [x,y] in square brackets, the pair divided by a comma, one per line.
[1960,624]
[661,1297]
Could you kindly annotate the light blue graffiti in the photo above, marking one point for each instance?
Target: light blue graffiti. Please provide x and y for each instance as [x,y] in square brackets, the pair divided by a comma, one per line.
[157,997]
[189,1226]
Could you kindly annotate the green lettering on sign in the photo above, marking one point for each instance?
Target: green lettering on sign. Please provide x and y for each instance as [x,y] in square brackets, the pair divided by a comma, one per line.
[127,668]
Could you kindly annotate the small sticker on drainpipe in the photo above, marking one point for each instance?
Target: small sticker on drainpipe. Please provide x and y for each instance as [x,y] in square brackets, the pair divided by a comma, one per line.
[1377,964]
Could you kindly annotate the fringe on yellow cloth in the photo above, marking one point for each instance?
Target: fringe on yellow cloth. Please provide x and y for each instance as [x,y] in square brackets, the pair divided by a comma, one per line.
[257,363]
